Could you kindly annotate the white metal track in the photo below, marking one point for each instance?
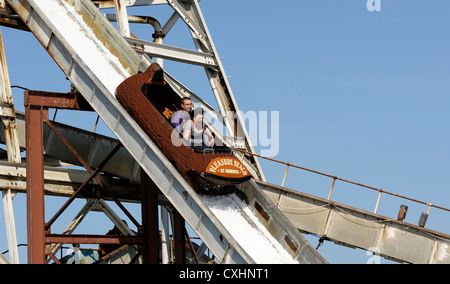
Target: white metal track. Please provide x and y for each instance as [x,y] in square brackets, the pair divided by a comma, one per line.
[7,114]
[352,227]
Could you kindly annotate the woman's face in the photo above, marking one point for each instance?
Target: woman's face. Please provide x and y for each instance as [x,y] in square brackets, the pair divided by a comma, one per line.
[198,120]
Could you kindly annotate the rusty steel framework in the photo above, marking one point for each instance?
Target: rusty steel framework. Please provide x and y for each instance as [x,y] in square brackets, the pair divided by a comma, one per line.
[39,231]
[40,236]
[133,158]
[36,118]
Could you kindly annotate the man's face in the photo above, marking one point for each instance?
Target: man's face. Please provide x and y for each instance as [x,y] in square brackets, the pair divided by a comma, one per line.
[186,105]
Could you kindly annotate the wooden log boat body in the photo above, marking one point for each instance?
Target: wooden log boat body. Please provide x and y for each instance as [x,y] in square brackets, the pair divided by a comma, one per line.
[145,96]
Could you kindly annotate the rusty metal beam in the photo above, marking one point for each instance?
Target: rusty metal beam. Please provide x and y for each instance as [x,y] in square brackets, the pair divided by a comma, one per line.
[35,183]
[82,186]
[179,238]
[92,239]
[36,106]
[73,101]
[149,193]
[92,172]
[129,3]
[8,118]
[64,182]
[10,19]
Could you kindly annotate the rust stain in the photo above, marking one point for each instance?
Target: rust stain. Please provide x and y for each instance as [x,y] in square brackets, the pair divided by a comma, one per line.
[290,243]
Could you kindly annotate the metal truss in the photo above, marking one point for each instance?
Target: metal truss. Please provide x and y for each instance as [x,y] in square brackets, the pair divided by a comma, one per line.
[157,172]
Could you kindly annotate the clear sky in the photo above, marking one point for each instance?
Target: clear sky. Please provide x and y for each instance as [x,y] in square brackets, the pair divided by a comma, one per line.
[361,95]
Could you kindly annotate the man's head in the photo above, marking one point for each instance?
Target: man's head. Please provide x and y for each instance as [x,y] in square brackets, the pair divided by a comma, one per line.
[186,104]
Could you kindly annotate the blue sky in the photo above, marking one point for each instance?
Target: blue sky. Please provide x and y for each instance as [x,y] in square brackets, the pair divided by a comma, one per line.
[361,95]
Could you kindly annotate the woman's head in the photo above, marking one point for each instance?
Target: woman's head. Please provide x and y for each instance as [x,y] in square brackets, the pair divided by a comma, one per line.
[197,117]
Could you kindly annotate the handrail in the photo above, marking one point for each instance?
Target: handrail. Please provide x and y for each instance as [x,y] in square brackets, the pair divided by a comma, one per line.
[344,180]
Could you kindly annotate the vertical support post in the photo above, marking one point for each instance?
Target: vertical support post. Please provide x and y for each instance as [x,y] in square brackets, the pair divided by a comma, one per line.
[122,18]
[149,197]
[12,147]
[159,40]
[332,187]
[165,240]
[378,202]
[285,175]
[429,207]
[34,117]
[192,15]
[179,238]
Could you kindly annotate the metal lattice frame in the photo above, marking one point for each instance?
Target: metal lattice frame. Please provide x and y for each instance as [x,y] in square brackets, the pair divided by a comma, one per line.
[153,162]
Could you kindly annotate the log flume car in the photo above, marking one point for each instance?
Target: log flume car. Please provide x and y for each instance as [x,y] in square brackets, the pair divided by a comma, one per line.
[148,98]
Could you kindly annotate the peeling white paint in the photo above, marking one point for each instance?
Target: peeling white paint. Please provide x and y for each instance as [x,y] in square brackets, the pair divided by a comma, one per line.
[390,232]
[442,252]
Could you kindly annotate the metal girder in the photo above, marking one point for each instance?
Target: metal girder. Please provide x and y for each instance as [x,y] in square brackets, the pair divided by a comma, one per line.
[332,225]
[191,22]
[3,259]
[35,184]
[357,228]
[91,147]
[97,88]
[191,14]
[92,239]
[279,226]
[71,101]
[206,56]
[8,118]
[149,197]
[173,53]
[36,114]
[92,205]
[63,182]
[92,87]
[110,3]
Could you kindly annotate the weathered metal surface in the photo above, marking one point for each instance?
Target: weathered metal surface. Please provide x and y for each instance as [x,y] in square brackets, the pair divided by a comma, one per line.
[92,239]
[123,255]
[279,226]
[13,151]
[307,213]
[357,228]
[71,101]
[35,185]
[133,138]
[317,212]
[3,259]
[63,182]
[173,53]
[92,148]
[128,3]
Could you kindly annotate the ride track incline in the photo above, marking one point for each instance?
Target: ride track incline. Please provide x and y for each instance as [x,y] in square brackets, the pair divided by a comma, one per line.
[96,59]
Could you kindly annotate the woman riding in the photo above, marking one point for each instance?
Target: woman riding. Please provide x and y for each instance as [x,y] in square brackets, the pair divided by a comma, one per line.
[196,133]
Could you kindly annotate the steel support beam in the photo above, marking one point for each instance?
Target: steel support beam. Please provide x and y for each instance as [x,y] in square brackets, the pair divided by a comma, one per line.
[352,227]
[8,118]
[149,193]
[191,14]
[98,89]
[173,53]
[129,3]
[179,238]
[92,239]
[34,117]
[36,106]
